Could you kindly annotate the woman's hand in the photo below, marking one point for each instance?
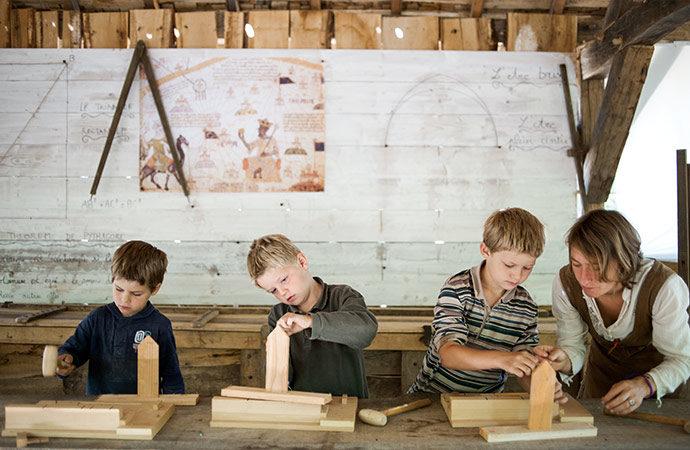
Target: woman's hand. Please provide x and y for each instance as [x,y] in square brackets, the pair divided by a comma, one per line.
[625,396]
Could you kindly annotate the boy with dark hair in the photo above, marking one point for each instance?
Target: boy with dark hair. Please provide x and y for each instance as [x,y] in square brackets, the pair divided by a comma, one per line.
[109,336]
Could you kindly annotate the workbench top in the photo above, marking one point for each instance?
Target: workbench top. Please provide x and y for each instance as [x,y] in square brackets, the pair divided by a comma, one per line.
[424,428]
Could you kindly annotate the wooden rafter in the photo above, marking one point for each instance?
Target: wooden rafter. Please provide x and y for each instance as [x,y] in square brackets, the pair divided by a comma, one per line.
[396,7]
[643,24]
[477,8]
[234,6]
[557,6]
[314,4]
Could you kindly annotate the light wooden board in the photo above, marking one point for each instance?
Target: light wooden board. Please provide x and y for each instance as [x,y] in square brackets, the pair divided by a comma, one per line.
[153,26]
[197,29]
[47,24]
[23,28]
[309,29]
[477,410]
[106,29]
[271,29]
[338,415]
[263,394]
[410,33]
[71,29]
[174,399]
[357,31]
[521,433]
[541,32]
[541,403]
[466,34]
[277,360]
[147,368]
[573,411]
[234,29]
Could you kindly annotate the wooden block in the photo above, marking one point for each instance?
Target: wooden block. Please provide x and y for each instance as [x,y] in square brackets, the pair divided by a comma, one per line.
[53,416]
[205,318]
[271,29]
[153,26]
[522,433]
[418,33]
[234,29]
[24,440]
[475,410]
[197,29]
[263,394]
[147,368]
[277,360]
[541,393]
[572,411]
[309,29]
[466,34]
[541,32]
[174,399]
[47,29]
[357,30]
[71,29]
[106,29]
[23,31]
[5,24]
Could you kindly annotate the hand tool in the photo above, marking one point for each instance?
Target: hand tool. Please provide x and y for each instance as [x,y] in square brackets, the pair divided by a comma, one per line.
[380,418]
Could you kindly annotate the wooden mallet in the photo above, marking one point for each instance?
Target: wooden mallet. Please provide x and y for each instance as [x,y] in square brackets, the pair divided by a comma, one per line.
[50,361]
[656,419]
[380,418]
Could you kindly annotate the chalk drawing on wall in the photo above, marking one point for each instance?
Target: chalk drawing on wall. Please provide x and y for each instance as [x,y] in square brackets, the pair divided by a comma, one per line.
[243,125]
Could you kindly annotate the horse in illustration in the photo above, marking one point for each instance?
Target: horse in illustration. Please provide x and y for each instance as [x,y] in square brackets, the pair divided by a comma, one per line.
[159,162]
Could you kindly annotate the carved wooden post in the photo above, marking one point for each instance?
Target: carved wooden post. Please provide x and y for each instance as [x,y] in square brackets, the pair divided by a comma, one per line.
[147,368]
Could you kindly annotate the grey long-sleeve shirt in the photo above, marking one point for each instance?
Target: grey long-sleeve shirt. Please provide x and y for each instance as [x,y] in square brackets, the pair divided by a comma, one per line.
[328,357]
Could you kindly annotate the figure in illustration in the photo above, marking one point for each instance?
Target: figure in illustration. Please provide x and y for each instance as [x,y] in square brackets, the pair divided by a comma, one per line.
[295,148]
[263,163]
[160,162]
[265,145]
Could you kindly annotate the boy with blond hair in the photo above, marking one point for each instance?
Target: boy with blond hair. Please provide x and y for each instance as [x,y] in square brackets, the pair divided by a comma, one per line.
[485,322]
[328,325]
[109,336]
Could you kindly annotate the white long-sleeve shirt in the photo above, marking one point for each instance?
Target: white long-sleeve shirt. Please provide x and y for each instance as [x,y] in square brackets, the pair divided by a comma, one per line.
[670,329]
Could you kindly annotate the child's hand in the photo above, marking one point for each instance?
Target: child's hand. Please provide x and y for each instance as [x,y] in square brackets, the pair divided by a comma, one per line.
[294,323]
[64,365]
[559,360]
[519,364]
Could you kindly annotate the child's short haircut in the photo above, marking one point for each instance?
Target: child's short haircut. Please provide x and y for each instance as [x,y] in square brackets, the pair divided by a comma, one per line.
[270,252]
[514,229]
[141,262]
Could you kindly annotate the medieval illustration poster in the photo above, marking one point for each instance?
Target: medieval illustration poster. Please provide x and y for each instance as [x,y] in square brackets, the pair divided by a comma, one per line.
[239,125]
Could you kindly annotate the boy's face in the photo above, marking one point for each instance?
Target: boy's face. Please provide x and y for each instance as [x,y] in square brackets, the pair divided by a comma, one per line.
[505,269]
[289,284]
[130,297]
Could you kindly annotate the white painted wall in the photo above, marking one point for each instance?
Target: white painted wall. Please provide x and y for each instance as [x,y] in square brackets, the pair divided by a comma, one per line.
[421,147]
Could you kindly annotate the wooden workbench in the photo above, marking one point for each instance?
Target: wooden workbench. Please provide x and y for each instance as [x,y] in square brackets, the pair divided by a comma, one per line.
[423,428]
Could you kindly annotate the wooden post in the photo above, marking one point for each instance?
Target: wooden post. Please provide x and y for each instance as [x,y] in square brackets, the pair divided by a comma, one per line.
[5,24]
[683,229]
[147,368]
[277,360]
[541,397]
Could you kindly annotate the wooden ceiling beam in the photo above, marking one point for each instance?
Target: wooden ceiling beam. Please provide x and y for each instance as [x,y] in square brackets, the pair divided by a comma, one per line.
[626,78]
[396,7]
[557,6]
[477,8]
[642,24]
[234,6]
[314,4]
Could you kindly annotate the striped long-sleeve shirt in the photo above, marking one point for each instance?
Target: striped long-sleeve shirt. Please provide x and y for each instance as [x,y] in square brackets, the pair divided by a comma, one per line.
[463,316]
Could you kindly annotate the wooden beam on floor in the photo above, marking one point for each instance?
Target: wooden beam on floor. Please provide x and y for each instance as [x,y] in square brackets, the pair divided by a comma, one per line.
[644,23]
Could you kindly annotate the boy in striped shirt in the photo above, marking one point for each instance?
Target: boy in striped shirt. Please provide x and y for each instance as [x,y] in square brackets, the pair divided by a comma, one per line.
[485,323]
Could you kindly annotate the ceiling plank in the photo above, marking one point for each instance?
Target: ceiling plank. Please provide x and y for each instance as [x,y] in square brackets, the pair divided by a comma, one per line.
[396,7]
[234,6]
[313,4]
[477,8]
[626,78]
[642,24]
[557,6]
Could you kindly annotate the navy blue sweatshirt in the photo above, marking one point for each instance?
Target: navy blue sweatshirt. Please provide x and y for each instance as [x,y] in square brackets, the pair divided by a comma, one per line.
[109,342]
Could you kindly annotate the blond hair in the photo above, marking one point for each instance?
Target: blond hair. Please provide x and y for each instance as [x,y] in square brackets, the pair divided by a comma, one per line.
[604,236]
[270,252]
[141,262]
[514,229]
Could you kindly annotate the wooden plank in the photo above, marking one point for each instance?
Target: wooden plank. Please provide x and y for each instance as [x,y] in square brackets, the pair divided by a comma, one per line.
[623,88]
[25,318]
[644,23]
[541,395]
[682,33]
[557,6]
[315,398]
[47,35]
[205,318]
[153,26]
[277,360]
[466,34]
[23,31]
[147,368]
[573,411]
[309,29]
[396,7]
[357,30]
[541,32]
[51,416]
[683,209]
[173,399]
[410,365]
[234,29]
[476,410]
[418,33]
[476,8]
[197,29]
[591,95]
[520,433]
[71,29]
[105,30]
[5,24]
[271,29]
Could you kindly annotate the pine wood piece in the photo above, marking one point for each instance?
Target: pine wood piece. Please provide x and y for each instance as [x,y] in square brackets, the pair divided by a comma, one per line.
[174,399]
[476,410]
[357,30]
[309,29]
[419,33]
[541,32]
[47,29]
[23,29]
[5,24]
[106,29]
[316,398]
[541,397]
[572,411]
[277,360]
[156,23]
[271,29]
[71,29]
[234,29]
[466,34]
[521,433]
[24,440]
[197,29]
[51,416]
[147,368]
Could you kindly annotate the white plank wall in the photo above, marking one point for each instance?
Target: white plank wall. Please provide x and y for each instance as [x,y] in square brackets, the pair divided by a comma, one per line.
[420,148]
